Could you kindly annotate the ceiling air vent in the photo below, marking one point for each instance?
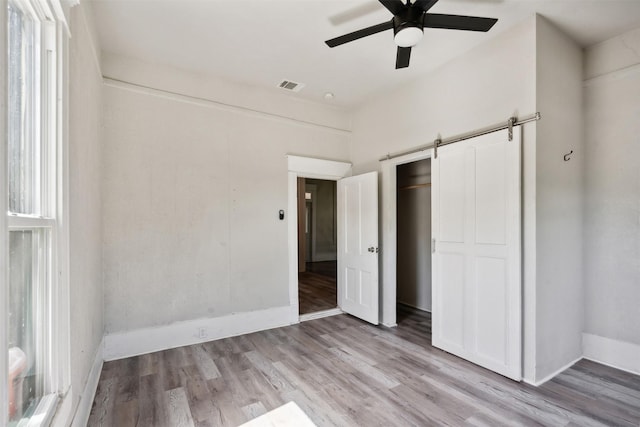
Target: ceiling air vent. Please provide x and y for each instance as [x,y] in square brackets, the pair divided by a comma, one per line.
[289,85]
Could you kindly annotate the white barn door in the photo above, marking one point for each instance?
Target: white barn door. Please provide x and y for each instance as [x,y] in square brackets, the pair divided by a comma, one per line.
[358,246]
[476,262]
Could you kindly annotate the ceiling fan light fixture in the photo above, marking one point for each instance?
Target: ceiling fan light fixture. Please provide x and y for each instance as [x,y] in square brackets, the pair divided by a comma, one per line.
[408,36]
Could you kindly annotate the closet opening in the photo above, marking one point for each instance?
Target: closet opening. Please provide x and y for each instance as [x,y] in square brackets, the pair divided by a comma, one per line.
[413,250]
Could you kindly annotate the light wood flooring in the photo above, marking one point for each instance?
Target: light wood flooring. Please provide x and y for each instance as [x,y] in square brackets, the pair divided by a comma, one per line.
[344,372]
[317,287]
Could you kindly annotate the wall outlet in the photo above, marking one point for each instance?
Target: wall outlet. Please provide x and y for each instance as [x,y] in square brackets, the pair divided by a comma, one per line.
[202,333]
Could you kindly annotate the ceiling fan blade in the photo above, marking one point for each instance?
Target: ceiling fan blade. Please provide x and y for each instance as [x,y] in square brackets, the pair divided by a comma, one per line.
[355,13]
[425,5]
[393,6]
[403,56]
[458,22]
[360,34]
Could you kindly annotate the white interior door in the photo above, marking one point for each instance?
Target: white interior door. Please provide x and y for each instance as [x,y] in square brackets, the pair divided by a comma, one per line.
[358,246]
[476,262]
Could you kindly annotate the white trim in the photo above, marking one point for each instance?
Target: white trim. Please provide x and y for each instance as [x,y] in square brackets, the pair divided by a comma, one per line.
[320,314]
[63,303]
[617,354]
[210,103]
[552,375]
[4,234]
[292,237]
[62,417]
[318,168]
[613,75]
[27,222]
[389,242]
[120,345]
[81,416]
[308,168]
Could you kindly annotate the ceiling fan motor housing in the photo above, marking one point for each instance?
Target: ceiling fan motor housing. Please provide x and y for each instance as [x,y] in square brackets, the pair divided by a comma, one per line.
[410,24]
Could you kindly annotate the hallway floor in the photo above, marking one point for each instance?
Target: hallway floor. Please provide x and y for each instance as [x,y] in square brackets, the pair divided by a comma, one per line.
[317,287]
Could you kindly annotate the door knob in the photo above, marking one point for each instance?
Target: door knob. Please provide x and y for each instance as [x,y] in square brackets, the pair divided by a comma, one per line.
[371,249]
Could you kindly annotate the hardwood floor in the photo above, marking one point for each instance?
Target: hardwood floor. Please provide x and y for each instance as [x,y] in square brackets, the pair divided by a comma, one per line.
[317,287]
[325,268]
[344,372]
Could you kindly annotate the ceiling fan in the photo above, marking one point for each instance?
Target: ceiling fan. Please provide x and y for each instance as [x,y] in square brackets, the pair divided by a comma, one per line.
[408,23]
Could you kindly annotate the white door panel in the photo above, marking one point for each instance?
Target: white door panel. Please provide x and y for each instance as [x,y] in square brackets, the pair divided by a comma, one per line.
[358,246]
[476,276]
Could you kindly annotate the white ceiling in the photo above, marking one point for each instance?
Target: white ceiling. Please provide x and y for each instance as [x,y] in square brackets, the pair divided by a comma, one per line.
[260,42]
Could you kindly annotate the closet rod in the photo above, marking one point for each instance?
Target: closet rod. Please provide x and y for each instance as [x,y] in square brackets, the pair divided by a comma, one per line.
[413,187]
[513,121]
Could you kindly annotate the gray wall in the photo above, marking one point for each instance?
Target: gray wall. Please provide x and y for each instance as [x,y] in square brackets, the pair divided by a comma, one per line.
[414,234]
[559,187]
[612,189]
[191,199]
[325,221]
[85,198]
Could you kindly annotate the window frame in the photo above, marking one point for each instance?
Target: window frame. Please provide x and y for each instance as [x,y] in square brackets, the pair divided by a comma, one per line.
[52,124]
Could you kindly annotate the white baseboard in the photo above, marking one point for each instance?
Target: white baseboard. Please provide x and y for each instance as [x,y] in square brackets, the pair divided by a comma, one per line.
[320,314]
[81,416]
[617,354]
[120,345]
[538,383]
[323,257]
[414,306]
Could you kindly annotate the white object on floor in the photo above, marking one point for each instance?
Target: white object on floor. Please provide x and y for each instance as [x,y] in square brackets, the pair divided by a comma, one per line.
[287,415]
[17,364]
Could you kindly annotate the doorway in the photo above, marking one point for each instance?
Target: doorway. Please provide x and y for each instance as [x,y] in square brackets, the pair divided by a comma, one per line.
[413,248]
[357,238]
[317,245]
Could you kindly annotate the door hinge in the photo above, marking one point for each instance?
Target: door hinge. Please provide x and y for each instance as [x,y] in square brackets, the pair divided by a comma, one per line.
[433,246]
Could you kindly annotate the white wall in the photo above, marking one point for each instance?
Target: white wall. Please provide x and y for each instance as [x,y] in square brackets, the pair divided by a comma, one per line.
[559,189]
[85,201]
[192,191]
[276,102]
[612,190]
[482,87]
[414,235]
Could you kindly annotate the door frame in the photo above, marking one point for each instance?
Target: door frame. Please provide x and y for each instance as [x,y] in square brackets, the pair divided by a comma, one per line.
[305,167]
[313,189]
[389,230]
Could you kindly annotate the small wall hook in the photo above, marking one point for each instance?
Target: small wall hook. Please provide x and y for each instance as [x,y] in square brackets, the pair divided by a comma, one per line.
[567,156]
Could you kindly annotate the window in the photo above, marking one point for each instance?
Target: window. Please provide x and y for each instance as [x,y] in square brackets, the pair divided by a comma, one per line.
[36,347]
